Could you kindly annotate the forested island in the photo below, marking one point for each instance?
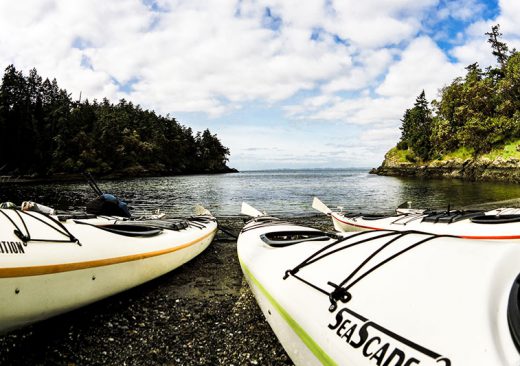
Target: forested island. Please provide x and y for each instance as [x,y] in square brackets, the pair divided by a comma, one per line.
[472,131]
[45,133]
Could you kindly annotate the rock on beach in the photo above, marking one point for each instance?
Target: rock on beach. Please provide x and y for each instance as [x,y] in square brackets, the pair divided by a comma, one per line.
[199,314]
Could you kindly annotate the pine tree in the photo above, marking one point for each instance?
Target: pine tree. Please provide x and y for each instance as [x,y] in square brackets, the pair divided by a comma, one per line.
[417,126]
[50,133]
[500,49]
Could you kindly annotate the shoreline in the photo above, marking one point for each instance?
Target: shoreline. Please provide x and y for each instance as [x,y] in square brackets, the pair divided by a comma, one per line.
[72,178]
[477,168]
[468,173]
[202,313]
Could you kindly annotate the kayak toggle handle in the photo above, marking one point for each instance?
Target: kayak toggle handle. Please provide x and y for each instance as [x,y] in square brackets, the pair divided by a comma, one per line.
[339,294]
[22,237]
[75,240]
[290,272]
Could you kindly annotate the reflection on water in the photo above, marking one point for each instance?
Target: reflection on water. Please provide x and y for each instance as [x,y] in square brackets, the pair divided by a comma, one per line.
[284,193]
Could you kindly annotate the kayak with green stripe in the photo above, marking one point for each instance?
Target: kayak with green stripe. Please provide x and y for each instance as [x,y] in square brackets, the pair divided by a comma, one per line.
[384,298]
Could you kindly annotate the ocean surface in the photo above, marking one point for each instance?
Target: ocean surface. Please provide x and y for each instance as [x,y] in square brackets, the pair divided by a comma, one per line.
[279,192]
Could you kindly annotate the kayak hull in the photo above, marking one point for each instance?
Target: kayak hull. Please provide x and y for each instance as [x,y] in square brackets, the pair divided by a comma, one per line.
[444,302]
[464,228]
[44,279]
[283,325]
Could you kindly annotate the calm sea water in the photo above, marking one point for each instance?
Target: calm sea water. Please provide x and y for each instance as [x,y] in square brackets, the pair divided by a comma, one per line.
[283,193]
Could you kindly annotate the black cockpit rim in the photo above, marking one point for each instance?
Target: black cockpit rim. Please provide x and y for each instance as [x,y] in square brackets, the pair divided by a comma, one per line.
[291,237]
[513,312]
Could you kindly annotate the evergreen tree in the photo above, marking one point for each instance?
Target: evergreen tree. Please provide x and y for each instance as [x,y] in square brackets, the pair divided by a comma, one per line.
[16,120]
[213,154]
[500,49]
[46,132]
[477,112]
[417,127]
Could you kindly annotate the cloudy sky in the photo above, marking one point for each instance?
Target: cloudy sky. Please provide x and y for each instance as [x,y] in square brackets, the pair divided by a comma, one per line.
[283,83]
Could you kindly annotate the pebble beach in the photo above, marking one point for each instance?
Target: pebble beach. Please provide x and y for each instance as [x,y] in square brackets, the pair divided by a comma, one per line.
[202,313]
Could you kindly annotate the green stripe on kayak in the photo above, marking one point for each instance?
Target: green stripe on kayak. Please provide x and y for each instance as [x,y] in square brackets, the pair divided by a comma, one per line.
[320,354]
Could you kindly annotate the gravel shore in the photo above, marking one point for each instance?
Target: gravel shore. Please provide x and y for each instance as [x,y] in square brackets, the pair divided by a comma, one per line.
[200,314]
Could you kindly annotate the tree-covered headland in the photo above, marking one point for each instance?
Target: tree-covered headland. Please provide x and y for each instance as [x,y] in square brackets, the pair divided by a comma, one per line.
[473,115]
[44,131]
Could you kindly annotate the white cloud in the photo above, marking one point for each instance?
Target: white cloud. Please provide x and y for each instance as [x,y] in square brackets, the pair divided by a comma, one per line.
[509,17]
[422,66]
[299,145]
[378,23]
[369,66]
[382,135]
[347,63]
[477,49]
[364,111]
[202,55]
[460,9]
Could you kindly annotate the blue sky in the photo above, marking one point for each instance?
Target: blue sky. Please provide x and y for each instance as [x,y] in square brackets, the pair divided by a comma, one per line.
[284,84]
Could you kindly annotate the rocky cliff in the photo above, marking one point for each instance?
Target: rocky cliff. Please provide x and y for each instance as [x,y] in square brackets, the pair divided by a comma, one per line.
[481,168]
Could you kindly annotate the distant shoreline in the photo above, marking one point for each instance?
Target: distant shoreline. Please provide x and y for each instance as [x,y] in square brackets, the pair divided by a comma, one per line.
[76,177]
[364,168]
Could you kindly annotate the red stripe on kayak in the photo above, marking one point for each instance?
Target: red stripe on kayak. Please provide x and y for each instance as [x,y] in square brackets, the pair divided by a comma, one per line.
[481,237]
[361,226]
[490,237]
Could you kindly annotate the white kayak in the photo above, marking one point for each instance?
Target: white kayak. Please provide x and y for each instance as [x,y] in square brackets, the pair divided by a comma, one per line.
[384,298]
[48,266]
[499,224]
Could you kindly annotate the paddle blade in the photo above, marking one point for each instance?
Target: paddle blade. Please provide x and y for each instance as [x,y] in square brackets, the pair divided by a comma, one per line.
[201,211]
[320,206]
[250,210]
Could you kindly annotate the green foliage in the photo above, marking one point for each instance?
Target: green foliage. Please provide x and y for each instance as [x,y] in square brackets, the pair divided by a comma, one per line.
[478,112]
[461,153]
[397,155]
[410,157]
[450,106]
[417,126]
[482,135]
[511,149]
[402,145]
[509,87]
[442,138]
[44,131]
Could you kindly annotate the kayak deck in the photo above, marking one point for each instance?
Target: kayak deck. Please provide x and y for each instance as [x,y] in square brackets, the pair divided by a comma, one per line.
[381,297]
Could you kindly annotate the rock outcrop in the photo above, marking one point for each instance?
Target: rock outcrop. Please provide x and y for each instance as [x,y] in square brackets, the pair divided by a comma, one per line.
[475,169]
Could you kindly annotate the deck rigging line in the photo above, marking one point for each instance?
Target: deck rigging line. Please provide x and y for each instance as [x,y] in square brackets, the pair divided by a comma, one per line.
[342,291]
[25,234]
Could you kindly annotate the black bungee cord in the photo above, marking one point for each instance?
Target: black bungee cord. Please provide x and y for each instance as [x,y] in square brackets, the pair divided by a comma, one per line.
[341,291]
[25,235]
[316,256]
